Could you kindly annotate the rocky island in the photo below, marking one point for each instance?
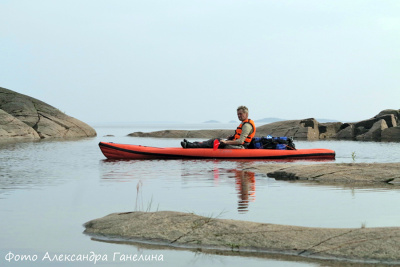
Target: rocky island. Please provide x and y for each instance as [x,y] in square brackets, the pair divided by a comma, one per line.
[25,118]
[382,127]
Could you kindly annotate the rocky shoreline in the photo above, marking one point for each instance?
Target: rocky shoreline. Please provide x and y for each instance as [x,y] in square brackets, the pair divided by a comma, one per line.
[339,173]
[382,127]
[190,231]
[24,118]
[187,230]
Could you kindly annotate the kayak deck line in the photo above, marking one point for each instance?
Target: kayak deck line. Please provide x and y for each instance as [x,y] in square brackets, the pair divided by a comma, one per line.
[125,151]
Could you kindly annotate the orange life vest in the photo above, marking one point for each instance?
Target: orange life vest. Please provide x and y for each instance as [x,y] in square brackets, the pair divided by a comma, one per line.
[239,131]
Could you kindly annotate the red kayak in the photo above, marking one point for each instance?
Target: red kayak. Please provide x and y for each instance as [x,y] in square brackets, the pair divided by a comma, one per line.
[123,151]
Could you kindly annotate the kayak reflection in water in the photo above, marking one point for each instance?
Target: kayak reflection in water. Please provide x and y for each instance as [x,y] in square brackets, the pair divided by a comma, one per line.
[241,139]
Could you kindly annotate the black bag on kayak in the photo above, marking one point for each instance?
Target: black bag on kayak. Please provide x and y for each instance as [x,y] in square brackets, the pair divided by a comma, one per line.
[269,142]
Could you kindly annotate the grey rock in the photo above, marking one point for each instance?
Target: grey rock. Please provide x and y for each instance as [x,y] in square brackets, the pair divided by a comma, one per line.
[299,129]
[395,181]
[12,128]
[329,129]
[201,134]
[373,134]
[394,121]
[21,112]
[187,230]
[365,173]
[391,120]
[394,112]
[367,124]
[360,130]
[391,134]
[306,129]
[190,231]
[346,132]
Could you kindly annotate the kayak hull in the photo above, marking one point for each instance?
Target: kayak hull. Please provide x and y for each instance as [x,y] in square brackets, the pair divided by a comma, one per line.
[126,151]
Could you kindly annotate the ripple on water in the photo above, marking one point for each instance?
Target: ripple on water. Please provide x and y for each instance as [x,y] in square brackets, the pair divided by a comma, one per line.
[59,185]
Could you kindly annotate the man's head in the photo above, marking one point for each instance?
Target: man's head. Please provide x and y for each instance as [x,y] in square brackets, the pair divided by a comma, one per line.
[242,113]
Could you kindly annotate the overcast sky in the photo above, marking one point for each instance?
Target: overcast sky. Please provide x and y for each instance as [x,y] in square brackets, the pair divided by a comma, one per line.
[197,60]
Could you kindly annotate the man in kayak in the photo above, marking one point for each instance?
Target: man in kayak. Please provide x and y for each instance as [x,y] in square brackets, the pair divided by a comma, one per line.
[241,139]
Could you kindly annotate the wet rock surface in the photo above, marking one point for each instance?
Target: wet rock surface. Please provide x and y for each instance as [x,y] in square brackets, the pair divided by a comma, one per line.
[25,118]
[364,245]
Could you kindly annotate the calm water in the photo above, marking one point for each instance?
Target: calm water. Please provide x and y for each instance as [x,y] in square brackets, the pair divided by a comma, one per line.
[49,189]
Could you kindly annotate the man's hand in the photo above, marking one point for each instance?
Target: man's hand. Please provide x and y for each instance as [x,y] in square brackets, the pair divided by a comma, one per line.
[230,137]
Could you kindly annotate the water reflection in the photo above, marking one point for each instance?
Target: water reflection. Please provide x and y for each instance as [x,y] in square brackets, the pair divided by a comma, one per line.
[219,177]
[245,182]
[203,256]
[215,187]
[59,185]
[246,187]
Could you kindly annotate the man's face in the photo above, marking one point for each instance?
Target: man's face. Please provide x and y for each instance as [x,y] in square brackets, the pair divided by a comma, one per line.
[242,116]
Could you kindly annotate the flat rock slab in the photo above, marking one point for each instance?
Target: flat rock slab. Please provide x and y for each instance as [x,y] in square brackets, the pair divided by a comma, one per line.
[366,245]
[365,173]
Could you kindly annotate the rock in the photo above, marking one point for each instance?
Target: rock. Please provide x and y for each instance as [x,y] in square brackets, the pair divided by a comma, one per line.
[360,130]
[374,134]
[390,119]
[329,129]
[201,134]
[190,231]
[391,134]
[43,120]
[299,129]
[395,181]
[367,124]
[346,132]
[366,130]
[394,112]
[365,173]
[307,129]
[12,128]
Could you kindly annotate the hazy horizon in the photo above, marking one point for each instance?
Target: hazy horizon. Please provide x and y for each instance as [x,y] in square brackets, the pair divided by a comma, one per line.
[194,61]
